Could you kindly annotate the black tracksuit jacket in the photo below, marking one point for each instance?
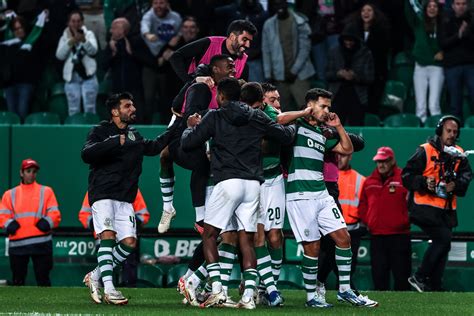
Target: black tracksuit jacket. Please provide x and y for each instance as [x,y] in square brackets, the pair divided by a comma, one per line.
[114,168]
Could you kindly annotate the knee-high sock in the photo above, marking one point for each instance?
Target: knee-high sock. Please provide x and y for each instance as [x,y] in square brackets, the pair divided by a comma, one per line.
[227,254]
[309,268]
[277,258]
[214,270]
[264,268]
[167,180]
[343,261]
[105,260]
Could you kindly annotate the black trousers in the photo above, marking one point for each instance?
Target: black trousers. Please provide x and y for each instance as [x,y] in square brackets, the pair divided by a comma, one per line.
[435,258]
[130,269]
[196,161]
[390,254]
[42,266]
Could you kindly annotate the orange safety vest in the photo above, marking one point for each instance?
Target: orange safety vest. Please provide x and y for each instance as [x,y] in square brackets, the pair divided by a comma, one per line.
[432,169]
[350,184]
[139,206]
[27,204]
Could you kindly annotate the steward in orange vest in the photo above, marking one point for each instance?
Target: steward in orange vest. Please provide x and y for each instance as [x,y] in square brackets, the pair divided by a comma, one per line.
[435,175]
[350,184]
[28,213]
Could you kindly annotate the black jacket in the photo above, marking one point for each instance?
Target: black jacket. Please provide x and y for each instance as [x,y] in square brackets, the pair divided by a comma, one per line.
[413,180]
[457,51]
[115,169]
[237,131]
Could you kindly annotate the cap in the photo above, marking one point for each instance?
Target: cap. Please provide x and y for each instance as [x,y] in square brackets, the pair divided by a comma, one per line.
[383,153]
[28,163]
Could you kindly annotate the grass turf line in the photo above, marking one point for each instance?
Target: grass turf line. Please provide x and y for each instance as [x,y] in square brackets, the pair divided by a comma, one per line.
[27,300]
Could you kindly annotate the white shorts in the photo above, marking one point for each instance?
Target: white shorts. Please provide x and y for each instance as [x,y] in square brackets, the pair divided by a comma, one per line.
[309,217]
[115,216]
[234,197]
[272,203]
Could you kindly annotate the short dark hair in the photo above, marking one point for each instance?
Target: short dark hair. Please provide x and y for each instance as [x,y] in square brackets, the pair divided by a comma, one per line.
[229,88]
[113,101]
[240,26]
[23,23]
[75,12]
[267,87]
[217,58]
[316,93]
[251,92]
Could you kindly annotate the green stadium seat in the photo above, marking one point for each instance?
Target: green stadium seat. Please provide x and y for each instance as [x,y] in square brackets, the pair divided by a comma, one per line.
[9,118]
[57,88]
[156,120]
[174,274]
[319,84]
[372,120]
[402,120]
[396,88]
[469,122]
[42,118]
[290,277]
[149,276]
[403,58]
[105,87]
[82,119]
[432,121]
[58,104]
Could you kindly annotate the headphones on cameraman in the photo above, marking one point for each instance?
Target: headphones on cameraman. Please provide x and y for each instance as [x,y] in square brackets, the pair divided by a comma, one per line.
[439,126]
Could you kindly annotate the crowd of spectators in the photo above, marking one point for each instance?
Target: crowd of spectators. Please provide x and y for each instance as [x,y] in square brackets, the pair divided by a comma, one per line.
[347,46]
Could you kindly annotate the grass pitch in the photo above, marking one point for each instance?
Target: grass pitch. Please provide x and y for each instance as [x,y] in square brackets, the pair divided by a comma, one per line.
[75,301]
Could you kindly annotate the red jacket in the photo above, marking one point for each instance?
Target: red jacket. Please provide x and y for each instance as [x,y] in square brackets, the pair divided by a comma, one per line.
[383,205]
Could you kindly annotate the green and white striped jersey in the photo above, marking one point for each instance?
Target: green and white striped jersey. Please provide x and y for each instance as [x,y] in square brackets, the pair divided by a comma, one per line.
[305,175]
[271,149]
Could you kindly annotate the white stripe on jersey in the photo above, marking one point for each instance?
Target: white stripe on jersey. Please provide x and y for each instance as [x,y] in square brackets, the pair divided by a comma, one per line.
[305,152]
[311,134]
[304,174]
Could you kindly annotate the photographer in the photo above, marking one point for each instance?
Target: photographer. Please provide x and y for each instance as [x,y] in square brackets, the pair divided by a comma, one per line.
[435,175]
[77,46]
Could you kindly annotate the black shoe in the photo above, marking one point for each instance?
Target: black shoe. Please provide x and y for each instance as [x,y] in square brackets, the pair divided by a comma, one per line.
[417,284]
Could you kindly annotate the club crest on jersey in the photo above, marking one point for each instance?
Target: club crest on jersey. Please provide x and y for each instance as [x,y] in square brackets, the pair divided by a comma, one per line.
[131,136]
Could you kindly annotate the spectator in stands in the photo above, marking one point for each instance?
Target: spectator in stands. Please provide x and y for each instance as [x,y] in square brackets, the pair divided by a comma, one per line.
[428,76]
[77,47]
[383,208]
[457,43]
[436,176]
[286,50]
[132,10]
[188,33]
[253,11]
[158,26]
[29,212]
[326,21]
[142,216]
[20,63]
[349,72]
[94,20]
[373,27]
[124,56]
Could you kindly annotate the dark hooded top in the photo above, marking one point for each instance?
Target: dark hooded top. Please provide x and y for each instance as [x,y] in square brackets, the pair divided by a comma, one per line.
[237,131]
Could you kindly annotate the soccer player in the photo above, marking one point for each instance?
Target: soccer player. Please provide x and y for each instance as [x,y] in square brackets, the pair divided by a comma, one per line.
[199,98]
[114,151]
[310,207]
[240,34]
[237,132]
